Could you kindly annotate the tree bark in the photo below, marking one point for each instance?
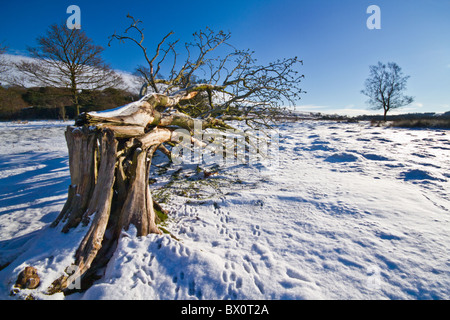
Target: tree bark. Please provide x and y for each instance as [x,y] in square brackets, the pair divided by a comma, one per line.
[81,143]
[100,204]
[109,192]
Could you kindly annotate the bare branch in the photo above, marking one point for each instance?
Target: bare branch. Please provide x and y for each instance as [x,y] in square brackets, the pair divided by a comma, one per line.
[230,85]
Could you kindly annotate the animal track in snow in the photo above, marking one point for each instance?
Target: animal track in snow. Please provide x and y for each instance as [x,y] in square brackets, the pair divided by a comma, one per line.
[223,227]
[249,264]
[259,285]
[224,219]
[256,230]
[233,281]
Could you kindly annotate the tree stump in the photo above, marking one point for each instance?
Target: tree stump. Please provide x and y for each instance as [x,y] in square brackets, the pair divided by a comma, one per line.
[109,191]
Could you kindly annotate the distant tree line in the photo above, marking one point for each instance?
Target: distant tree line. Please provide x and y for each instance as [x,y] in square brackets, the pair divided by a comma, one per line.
[407,120]
[68,76]
[57,103]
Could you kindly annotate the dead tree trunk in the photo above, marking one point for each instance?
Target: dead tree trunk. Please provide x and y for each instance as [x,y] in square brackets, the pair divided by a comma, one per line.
[109,191]
[81,143]
[109,158]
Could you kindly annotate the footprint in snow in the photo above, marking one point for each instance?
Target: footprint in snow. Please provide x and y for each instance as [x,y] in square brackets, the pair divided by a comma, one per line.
[259,285]
[296,275]
[256,230]
[233,281]
[176,280]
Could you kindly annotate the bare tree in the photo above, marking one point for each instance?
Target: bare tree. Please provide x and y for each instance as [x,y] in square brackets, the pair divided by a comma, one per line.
[385,87]
[68,58]
[233,84]
[110,153]
[4,63]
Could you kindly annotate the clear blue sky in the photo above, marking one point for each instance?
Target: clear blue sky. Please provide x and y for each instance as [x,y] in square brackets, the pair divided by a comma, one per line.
[330,36]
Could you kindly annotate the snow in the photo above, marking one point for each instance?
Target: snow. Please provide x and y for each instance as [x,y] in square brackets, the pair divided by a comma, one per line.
[350,212]
[125,110]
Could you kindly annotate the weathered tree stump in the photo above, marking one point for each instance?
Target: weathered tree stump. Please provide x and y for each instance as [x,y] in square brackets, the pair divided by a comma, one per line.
[109,160]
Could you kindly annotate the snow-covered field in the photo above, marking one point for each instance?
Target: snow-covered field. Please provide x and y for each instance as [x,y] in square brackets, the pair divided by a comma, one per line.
[351,212]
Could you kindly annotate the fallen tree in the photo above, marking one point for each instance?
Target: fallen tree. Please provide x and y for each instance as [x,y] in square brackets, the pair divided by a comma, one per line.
[110,153]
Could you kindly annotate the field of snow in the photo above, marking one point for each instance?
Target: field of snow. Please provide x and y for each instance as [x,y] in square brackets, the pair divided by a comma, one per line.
[351,212]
